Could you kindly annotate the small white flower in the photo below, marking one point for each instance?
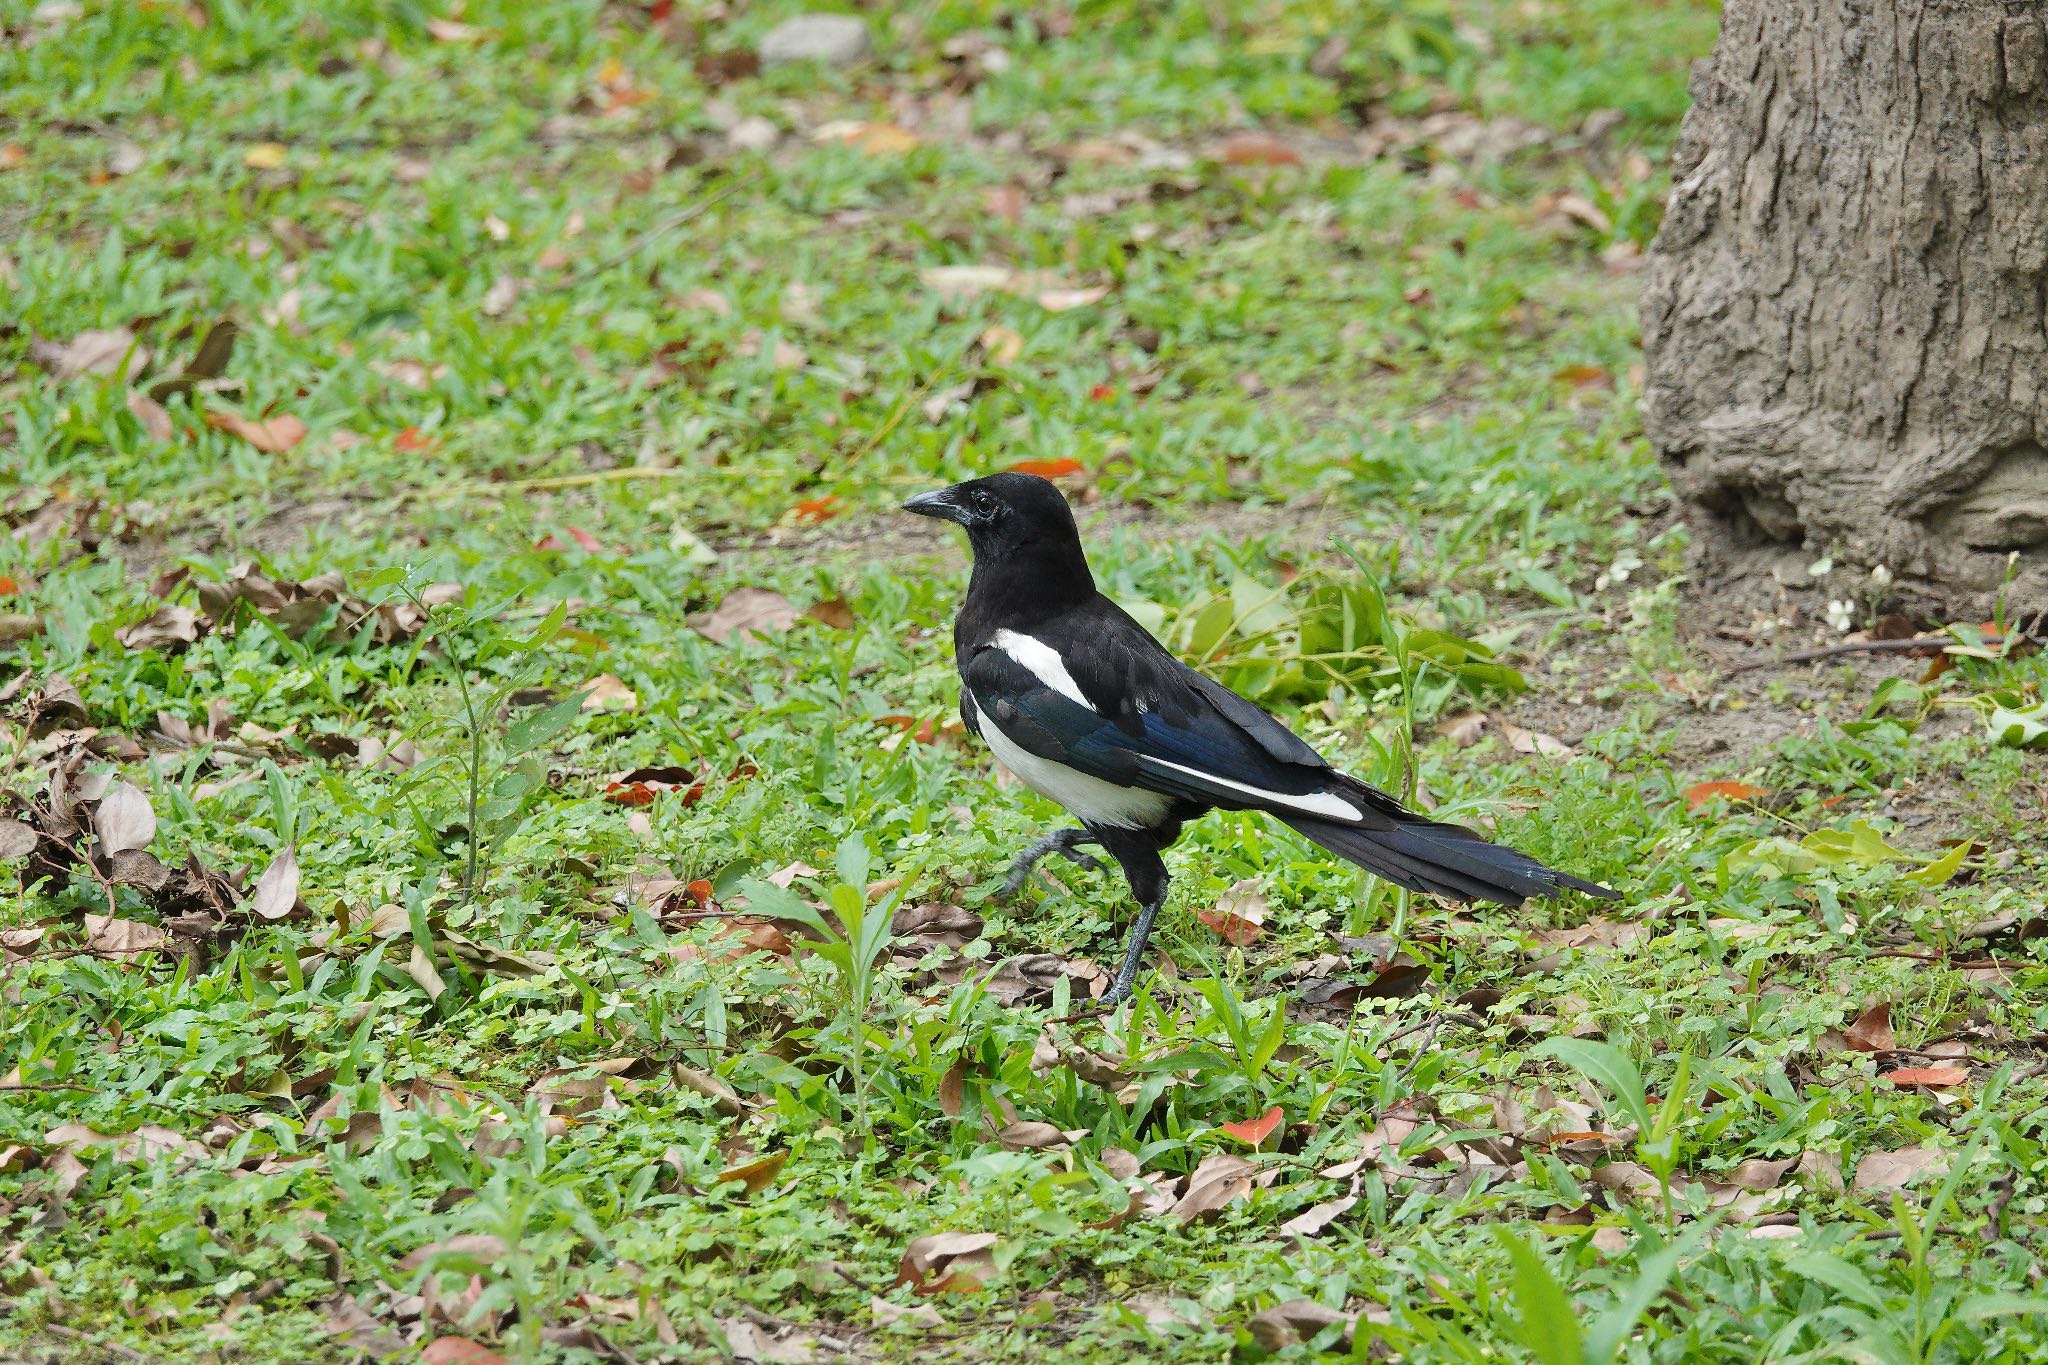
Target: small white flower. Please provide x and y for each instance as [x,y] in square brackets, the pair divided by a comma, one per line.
[1625,563]
[1841,615]
[1822,567]
[1881,576]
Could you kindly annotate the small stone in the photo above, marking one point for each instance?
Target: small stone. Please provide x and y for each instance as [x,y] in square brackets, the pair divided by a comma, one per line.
[838,39]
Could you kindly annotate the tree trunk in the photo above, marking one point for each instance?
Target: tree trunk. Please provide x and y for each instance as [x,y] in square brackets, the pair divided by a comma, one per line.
[1845,315]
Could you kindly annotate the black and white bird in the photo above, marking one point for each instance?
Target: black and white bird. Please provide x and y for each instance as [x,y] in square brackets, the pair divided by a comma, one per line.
[1085,707]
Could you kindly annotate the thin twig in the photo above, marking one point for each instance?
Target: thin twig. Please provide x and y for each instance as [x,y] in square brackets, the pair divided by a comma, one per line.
[1807,656]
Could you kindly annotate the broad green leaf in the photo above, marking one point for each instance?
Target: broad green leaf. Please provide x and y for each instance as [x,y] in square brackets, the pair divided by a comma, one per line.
[1608,1066]
[1209,628]
[1938,872]
[1549,1327]
[2020,729]
[1839,1275]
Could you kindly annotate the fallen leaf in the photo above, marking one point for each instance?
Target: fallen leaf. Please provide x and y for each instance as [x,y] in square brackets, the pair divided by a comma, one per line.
[276,893]
[1254,148]
[144,1144]
[272,435]
[1586,377]
[1872,1031]
[948,1263]
[482,1248]
[1030,1135]
[1896,1169]
[1700,793]
[124,819]
[1930,1077]
[411,441]
[959,283]
[815,510]
[94,351]
[169,629]
[1759,1174]
[640,786]
[1220,1180]
[454,31]
[1047,469]
[873,139]
[1583,211]
[1003,346]
[1238,913]
[755,1175]
[835,612]
[1464,729]
[1254,1132]
[1066,300]
[458,1351]
[155,420]
[1313,1220]
[265,156]
[1533,742]
[758,612]
[1297,1320]
[606,692]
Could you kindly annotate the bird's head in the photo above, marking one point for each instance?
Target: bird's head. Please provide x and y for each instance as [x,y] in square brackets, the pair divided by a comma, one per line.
[1004,514]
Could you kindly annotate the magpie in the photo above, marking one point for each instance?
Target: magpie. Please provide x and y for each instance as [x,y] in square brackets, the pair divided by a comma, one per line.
[1085,707]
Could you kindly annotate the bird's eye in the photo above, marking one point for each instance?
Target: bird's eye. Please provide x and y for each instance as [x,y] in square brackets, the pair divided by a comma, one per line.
[983,502]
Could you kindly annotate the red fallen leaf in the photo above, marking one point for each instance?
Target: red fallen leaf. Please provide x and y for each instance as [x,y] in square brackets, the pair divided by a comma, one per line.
[661,9]
[458,1351]
[1253,148]
[1047,469]
[585,541]
[924,732]
[1831,802]
[640,786]
[1253,1132]
[699,892]
[411,439]
[271,435]
[1586,377]
[1700,793]
[1237,913]
[815,510]
[1933,1077]
[1102,393]
[1230,928]
[8,587]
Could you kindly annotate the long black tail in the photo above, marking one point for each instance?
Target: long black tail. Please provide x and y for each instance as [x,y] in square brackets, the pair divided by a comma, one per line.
[1443,860]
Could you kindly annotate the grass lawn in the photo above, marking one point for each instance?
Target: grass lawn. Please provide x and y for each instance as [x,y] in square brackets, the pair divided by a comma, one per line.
[501,877]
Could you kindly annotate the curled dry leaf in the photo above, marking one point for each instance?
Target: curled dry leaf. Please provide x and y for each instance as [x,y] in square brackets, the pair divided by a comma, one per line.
[1872,1031]
[123,819]
[948,1263]
[1220,1180]
[759,612]
[170,629]
[1238,913]
[271,435]
[1030,1135]
[756,1176]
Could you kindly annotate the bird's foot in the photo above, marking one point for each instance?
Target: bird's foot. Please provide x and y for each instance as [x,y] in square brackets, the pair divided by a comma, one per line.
[1066,843]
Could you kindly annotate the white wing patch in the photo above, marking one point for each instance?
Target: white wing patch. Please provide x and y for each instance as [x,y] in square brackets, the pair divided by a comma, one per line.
[1325,804]
[1043,662]
[1091,799]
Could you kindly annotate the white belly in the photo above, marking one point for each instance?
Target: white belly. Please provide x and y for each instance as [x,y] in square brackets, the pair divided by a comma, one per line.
[1090,799]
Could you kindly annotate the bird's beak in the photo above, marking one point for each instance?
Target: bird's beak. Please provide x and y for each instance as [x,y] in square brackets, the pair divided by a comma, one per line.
[937,503]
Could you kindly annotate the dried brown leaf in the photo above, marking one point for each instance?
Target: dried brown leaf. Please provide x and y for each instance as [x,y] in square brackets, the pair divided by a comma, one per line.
[759,612]
[1897,1169]
[948,1263]
[272,435]
[276,893]
[124,819]
[1220,1180]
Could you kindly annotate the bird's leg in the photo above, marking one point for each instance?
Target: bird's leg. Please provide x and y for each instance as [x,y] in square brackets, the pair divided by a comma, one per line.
[1134,955]
[1065,842]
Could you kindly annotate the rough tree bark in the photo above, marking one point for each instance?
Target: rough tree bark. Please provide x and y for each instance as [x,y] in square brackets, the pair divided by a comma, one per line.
[1846,311]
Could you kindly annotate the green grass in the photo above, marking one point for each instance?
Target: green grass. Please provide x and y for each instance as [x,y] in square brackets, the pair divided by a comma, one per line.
[506,312]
